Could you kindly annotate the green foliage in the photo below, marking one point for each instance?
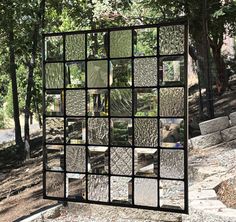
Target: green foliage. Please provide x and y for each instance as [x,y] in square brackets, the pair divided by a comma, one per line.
[9,102]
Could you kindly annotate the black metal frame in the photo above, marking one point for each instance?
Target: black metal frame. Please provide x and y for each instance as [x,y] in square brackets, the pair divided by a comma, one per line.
[133,117]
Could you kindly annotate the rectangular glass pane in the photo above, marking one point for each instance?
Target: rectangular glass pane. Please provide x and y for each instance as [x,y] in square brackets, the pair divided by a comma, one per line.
[55,184]
[75,47]
[55,130]
[75,74]
[54,103]
[54,48]
[54,75]
[55,157]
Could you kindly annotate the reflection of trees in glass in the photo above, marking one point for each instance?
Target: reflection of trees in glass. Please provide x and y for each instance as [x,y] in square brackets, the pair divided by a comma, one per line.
[54,48]
[75,76]
[54,75]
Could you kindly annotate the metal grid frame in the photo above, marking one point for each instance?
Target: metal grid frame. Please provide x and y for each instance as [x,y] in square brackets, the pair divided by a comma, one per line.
[133,117]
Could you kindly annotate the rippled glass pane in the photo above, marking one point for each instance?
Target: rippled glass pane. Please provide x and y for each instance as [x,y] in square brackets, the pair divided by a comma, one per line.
[53,48]
[55,184]
[54,76]
[75,74]
[75,103]
[55,130]
[172,101]
[120,43]
[76,186]
[55,157]
[54,103]
[75,47]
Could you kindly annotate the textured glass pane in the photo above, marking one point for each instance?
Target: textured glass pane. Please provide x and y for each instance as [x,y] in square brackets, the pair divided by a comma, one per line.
[76,186]
[120,73]
[98,159]
[75,131]
[98,129]
[121,190]
[54,48]
[121,102]
[55,130]
[171,101]
[145,72]
[121,43]
[171,39]
[97,73]
[75,75]
[54,103]
[172,132]
[75,158]
[172,164]
[145,103]
[98,188]
[97,45]
[97,102]
[172,194]
[75,103]
[55,157]
[145,192]
[121,160]
[146,44]
[55,184]
[146,162]
[121,132]
[54,75]
[75,47]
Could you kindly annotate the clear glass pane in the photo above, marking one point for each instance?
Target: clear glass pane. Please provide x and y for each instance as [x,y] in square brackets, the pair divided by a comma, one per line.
[121,102]
[145,72]
[55,157]
[54,76]
[121,132]
[54,103]
[98,129]
[75,158]
[55,184]
[97,73]
[172,164]
[121,44]
[75,75]
[98,159]
[97,102]
[75,103]
[172,132]
[146,162]
[171,39]
[172,101]
[120,73]
[54,48]
[55,130]
[145,102]
[121,160]
[121,190]
[75,131]
[75,47]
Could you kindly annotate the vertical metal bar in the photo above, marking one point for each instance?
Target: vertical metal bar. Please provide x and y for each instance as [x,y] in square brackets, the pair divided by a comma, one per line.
[86,114]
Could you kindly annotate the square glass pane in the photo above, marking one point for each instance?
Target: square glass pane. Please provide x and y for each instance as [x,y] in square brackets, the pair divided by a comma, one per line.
[55,157]
[75,131]
[98,129]
[121,160]
[172,164]
[75,74]
[172,101]
[145,192]
[146,162]
[75,47]
[145,102]
[98,188]
[54,130]
[75,158]
[145,132]
[55,184]
[121,102]
[120,43]
[54,103]
[75,103]
[97,102]
[121,131]
[145,72]
[97,45]
[171,39]
[172,71]
[76,186]
[120,73]
[54,76]
[98,159]
[172,194]
[172,132]
[53,48]
[121,190]
[146,42]
[97,73]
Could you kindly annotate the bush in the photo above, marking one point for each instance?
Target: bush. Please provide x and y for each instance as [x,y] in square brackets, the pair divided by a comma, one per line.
[2,123]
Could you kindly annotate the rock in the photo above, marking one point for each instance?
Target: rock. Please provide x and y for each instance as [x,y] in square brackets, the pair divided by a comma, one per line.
[229,134]
[208,140]
[214,125]
[232,117]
